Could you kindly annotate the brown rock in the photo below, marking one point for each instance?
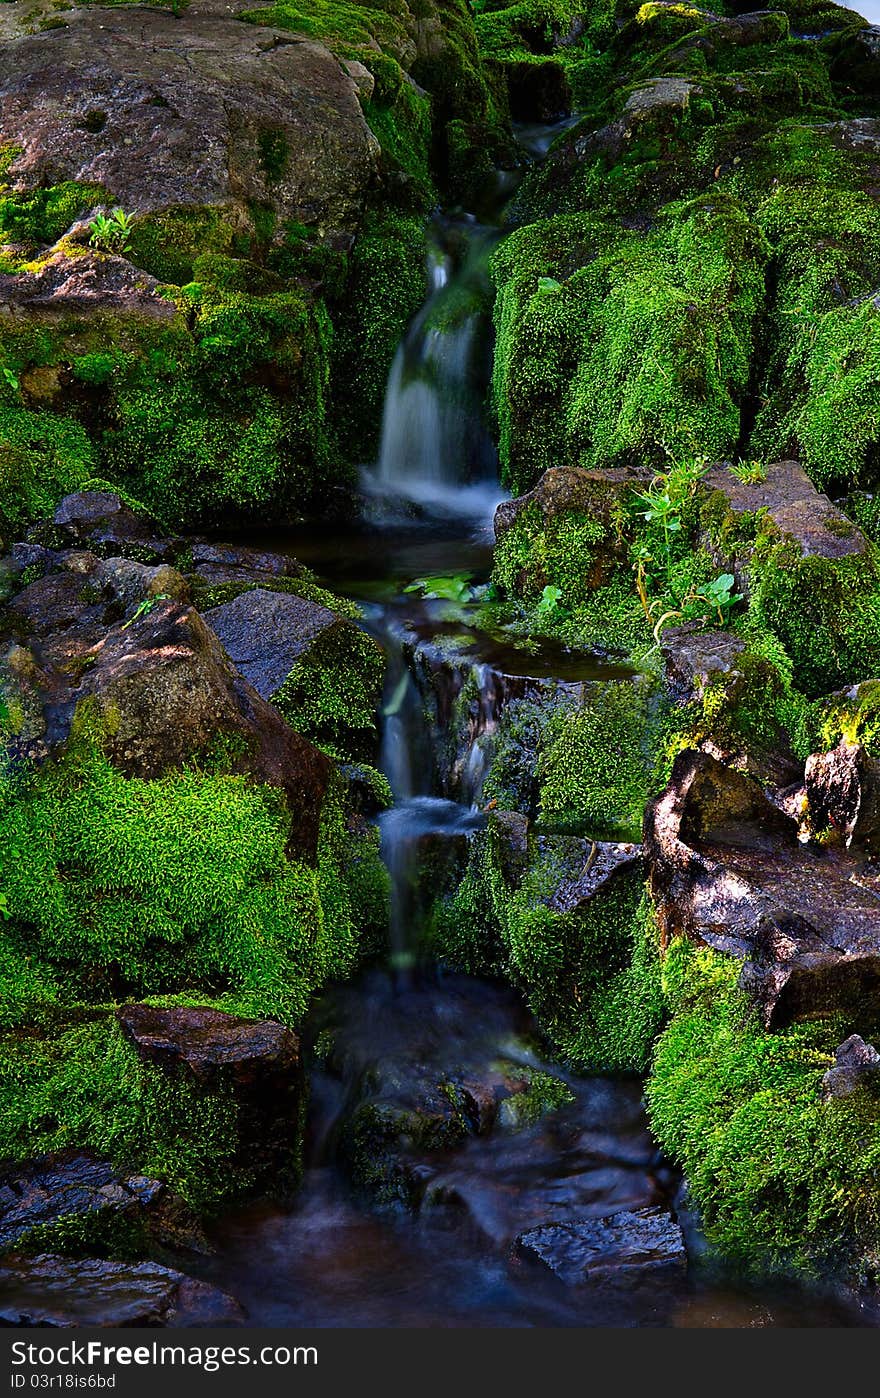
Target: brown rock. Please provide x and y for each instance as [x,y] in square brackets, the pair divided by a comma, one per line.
[77,280]
[842,789]
[62,1292]
[163,112]
[727,869]
[856,1065]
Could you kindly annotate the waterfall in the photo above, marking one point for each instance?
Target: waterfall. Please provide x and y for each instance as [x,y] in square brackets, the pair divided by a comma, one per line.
[436,456]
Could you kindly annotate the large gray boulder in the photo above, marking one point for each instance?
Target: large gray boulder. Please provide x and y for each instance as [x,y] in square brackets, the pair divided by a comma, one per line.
[202,111]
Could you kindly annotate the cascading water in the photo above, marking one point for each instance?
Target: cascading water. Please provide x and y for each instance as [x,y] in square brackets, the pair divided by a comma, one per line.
[436,454]
[393,1051]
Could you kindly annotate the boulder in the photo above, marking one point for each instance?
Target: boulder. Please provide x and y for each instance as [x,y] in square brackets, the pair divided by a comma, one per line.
[257,1061]
[62,1292]
[624,1249]
[695,657]
[842,790]
[159,683]
[75,280]
[856,1065]
[75,1188]
[102,522]
[602,860]
[727,869]
[227,563]
[265,633]
[203,111]
[213,1045]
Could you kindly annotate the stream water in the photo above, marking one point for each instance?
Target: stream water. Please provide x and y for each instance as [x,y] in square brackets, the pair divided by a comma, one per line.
[335,1258]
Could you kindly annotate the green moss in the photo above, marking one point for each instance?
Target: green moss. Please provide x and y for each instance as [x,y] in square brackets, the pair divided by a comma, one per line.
[43,456]
[332,694]
[146,887]
[596,764]
[781,1179]
[386,286]
[41,216]
[826,613]
[590,976]
[641,354]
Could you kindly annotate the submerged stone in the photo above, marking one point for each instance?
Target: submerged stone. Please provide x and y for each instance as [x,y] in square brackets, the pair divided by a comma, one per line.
[624,1249]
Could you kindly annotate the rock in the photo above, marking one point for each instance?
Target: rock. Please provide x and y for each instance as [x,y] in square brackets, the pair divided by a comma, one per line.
[361,77]
[265,633]
[74,1187]
[842,789]
[225,563]
[101,521]
[167,112]
[623,1249]
[71,282]
[695,657]
[727,869]
[160,683]
[258,1061]
[602,862]
[61,1292]
[856,1065]
[788,498]
[211,1044]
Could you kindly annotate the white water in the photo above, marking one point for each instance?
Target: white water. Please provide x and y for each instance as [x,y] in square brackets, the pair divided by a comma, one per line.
[436,458]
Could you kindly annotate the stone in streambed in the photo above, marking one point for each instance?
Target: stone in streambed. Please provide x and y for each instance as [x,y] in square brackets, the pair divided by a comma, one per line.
[61,1292]
[77,1188]
[623,1249]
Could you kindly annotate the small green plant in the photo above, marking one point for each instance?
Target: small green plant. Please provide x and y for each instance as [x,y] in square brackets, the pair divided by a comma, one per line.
[749,472]
[4,907]
[456,588]
[144,608]
[711,601]
[111,232]
[9,378]
[550,606]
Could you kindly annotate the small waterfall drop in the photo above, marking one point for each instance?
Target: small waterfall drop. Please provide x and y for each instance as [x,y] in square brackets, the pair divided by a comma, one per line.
[436,454]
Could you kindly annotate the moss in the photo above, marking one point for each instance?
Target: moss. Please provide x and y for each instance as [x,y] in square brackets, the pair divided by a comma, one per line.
[41,216]
[84,1086]
[596,762]
[332,694]
[43,456]
[825,612]
[156,887]
[641,354]
[590,976]
[781,1180]
[386,287]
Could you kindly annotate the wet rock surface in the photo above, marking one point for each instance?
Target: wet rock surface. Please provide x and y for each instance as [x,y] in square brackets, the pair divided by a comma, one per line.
[625,1249]
[68,284]
[727,868]
[77,1187]
[209,1042]
[61,1292]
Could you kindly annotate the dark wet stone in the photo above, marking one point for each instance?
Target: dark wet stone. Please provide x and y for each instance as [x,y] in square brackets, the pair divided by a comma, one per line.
[209,1042]
[603,861]
[856,1065]
[727,869]
[623,1249]
[103,522]
[57,1189]
[265,633]
[61,1292]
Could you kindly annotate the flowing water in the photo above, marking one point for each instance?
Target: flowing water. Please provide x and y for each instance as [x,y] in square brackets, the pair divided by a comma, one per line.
[441,1250]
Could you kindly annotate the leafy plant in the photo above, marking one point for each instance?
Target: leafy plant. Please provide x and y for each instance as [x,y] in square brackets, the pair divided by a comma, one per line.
[111,232]
[8,377]
[457,588]
[749,472]
[549,608]
[144,608]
